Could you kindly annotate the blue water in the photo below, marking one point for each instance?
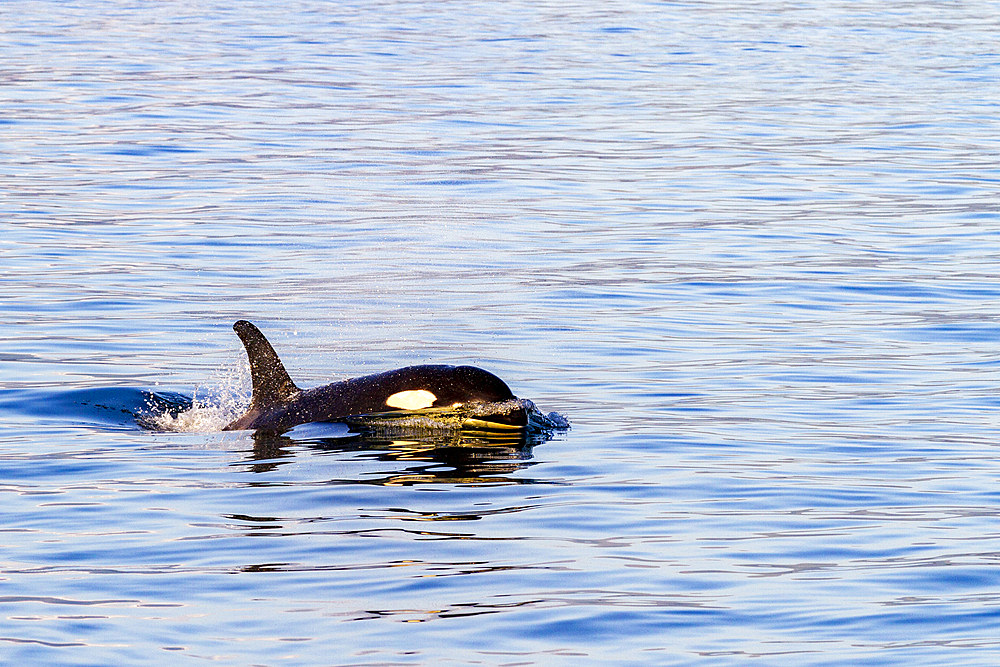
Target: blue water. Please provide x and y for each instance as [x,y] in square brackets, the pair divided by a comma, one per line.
[748,249]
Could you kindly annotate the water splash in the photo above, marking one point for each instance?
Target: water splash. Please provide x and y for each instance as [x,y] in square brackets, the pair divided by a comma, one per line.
[204,416]
[212,407]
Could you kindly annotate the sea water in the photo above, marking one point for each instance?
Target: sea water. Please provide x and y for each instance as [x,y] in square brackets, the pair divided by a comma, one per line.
[749,250]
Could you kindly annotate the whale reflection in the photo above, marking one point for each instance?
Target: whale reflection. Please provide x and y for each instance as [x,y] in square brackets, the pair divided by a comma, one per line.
[467,456]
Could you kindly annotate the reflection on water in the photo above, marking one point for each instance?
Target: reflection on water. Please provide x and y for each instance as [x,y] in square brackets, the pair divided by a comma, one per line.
[467,456]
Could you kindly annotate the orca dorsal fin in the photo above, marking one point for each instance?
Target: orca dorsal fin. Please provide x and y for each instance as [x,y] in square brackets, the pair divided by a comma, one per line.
[271,382]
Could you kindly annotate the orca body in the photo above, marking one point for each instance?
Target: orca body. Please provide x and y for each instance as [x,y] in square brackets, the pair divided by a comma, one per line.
[278,404]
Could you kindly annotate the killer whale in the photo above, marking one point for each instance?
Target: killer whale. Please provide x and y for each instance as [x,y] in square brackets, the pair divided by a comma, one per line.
[277,404]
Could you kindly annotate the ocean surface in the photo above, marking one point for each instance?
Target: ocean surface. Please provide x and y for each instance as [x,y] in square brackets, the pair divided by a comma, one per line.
[750,250]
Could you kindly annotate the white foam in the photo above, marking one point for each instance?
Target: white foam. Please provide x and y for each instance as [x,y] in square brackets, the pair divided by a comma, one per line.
[214,405]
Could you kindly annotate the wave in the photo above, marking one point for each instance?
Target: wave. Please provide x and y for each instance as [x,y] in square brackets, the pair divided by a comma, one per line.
[115,407]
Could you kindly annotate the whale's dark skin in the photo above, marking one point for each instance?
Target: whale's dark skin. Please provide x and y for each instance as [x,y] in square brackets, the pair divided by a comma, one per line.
[278,405]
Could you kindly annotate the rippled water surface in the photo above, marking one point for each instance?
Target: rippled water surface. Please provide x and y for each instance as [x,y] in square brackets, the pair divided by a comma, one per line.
[748,249]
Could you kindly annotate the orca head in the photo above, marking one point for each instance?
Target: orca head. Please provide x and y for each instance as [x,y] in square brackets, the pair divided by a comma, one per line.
[420,387]
[477,385]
